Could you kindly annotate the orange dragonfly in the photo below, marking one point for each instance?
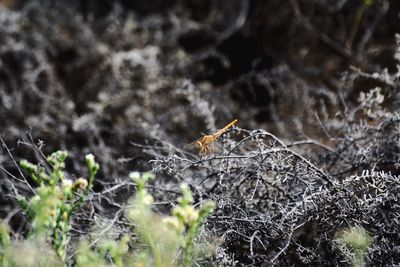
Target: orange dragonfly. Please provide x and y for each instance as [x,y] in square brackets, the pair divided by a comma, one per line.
[204,144]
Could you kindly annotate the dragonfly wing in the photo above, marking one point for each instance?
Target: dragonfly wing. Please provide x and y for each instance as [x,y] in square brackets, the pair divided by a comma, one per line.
[192,145]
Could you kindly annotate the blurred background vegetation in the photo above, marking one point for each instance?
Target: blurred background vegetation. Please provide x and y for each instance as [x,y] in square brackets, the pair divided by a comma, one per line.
[134,81]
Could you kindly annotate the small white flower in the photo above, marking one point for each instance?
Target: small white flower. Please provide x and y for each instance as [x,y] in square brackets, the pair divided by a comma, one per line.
[67,183]
[89,157]
[148,200]
[134,175]
[172,222]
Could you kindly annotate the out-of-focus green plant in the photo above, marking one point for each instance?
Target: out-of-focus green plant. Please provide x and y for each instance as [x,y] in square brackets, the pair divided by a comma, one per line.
[87,257]
[357,22]
[368,3]
[164,240]
[4,242]
[358,241]
[191,220]
[56,199]
[162,243]
[115,250]
[25,253]
[171,240]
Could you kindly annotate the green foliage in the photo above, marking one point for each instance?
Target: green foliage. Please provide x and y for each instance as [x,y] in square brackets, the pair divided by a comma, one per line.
[162,243]
[88,257]
[32,252]
[190,219]
[368,2]
[357,241]
[115,250]
[56,199]
[4,241]
[163,240]
[170,240]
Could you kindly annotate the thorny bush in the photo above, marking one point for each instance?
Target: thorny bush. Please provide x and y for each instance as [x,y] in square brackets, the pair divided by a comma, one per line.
[276,207]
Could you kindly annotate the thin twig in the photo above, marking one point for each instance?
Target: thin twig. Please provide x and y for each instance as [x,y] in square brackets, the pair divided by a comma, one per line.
[17,166]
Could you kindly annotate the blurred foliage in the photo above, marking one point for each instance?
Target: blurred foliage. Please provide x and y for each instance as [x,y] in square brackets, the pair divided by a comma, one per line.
[172,240]
[359,241]
[55,200]
[169,240]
